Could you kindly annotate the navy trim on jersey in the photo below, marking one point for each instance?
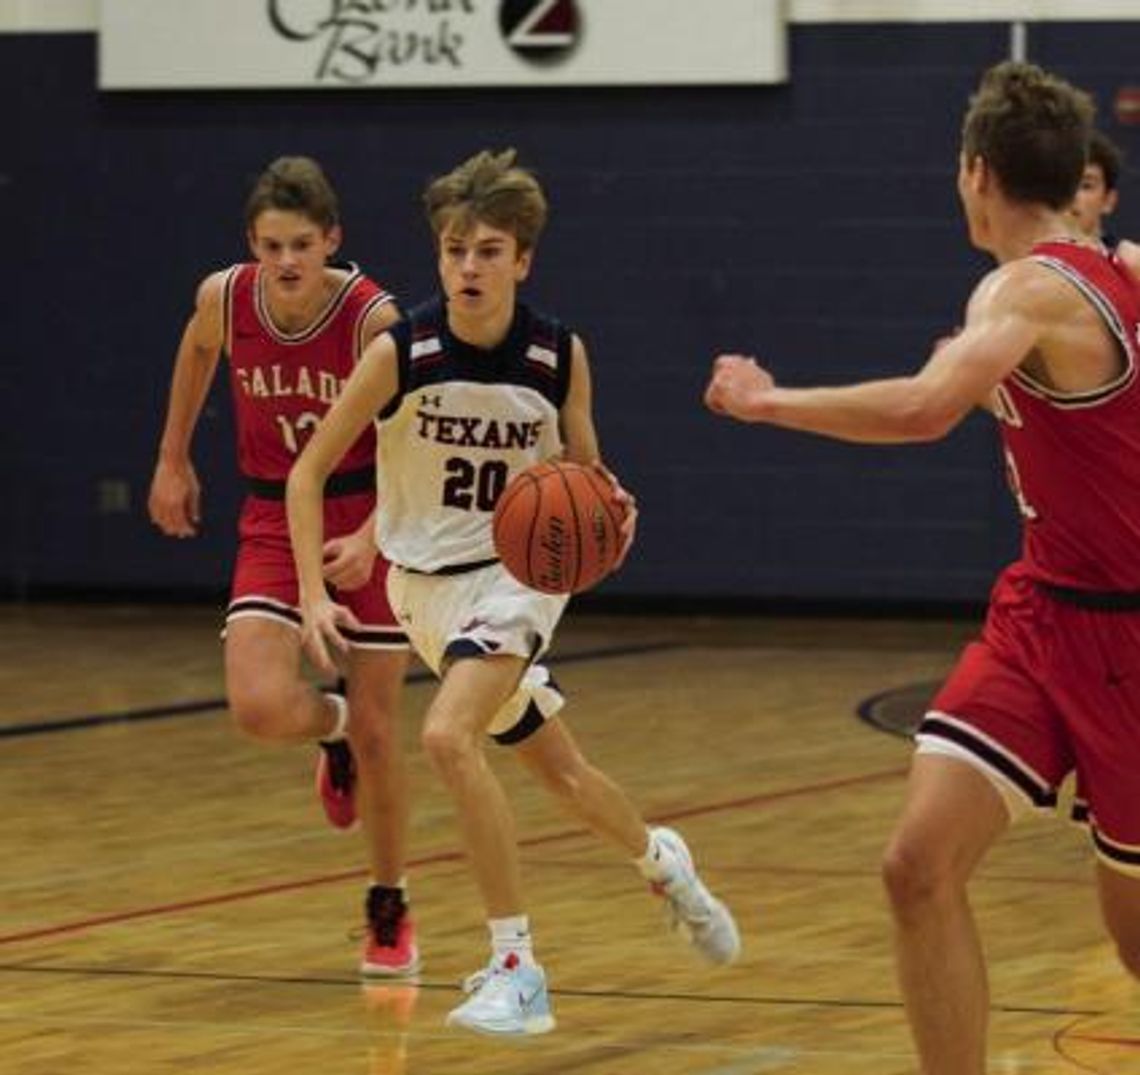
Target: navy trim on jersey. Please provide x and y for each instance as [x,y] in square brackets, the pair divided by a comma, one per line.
[529,723]
[454,569]
[536,354]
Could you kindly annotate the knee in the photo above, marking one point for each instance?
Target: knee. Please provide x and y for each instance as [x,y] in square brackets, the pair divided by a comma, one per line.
[916,876]
[449,751]
[255,710]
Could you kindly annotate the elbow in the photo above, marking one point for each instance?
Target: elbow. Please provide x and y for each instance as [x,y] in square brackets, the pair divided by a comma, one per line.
[925,417]
[925,428]
[301,482]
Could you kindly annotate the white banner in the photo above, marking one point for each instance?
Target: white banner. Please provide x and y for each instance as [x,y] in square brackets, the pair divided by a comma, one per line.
[217,44]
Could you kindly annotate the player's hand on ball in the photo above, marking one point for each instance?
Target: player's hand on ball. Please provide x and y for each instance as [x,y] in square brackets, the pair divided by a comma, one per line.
[321,633]
[739,388]
[628,504]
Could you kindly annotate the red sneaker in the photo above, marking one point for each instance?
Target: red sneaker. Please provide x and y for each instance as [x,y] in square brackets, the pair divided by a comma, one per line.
[336,783]
[390,936]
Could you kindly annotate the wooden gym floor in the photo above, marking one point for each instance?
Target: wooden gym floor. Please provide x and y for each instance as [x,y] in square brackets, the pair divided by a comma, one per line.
[172,901]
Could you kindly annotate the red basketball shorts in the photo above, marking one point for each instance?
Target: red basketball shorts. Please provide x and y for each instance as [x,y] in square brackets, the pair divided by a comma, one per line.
[1051,688]
[265,577]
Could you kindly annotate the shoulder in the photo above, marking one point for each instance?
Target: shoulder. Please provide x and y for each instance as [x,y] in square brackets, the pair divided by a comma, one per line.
[210,305]
[1024,287]
[212,287]
[379,308]
[427,315]
[1129,253]
[542,321]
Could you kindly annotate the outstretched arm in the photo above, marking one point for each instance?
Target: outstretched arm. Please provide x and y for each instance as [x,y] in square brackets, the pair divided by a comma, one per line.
[1006,319]
[372,384]
[175,495]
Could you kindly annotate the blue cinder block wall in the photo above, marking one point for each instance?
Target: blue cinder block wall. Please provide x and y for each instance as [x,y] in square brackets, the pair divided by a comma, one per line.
[814,224]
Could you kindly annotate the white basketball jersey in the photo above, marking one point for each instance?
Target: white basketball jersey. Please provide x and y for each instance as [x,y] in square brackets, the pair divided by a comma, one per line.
[463,423]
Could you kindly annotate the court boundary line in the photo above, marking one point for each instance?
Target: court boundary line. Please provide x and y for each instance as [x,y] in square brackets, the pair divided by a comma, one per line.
[435,859]
[765,1000]
[206,705]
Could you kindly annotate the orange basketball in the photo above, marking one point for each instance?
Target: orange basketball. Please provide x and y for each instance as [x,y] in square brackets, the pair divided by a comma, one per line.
[557,527]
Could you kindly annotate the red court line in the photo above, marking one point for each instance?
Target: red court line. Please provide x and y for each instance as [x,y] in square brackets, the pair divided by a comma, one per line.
[1104,1039]
[430,860]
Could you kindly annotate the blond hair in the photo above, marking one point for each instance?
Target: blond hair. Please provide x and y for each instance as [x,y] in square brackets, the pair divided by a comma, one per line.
[488,188]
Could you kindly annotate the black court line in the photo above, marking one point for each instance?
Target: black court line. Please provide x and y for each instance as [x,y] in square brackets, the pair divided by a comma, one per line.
[207,705]
[451,987]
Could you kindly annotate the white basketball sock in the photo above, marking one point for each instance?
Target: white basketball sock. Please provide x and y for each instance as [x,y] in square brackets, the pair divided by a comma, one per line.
[512,935]
[340,728]
[656,864]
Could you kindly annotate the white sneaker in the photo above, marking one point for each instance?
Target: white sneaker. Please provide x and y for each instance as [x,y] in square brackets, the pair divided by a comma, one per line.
[693,910]
[508,998]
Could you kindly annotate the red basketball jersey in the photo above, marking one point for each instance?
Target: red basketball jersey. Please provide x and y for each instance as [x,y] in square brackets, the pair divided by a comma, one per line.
[283,383]
[1074,457]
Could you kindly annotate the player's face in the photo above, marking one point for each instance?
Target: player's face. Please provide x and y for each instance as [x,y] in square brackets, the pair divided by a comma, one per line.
[1093,202]
[292,250]
[480,269]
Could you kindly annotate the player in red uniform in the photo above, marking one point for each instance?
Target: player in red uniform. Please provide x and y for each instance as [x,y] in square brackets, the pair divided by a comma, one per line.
[1098,193]
[293,324]
[1053,684]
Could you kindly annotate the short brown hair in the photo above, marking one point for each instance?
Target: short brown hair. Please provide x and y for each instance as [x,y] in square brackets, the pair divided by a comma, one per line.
[1033,129]
[295,185]
[489,188]
[1108,156]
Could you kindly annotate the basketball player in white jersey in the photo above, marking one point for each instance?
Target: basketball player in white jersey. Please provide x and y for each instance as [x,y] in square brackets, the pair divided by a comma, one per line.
[471,388]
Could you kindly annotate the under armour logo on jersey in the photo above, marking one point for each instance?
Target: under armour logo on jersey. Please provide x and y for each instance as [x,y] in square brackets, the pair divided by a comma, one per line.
[430,401]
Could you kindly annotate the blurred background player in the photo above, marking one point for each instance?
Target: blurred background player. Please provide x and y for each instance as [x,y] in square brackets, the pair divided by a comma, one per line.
[293,323]
[1098,194]
[468,390]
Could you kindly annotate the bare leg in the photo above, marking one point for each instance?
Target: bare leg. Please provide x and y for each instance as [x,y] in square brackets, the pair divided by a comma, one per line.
[583,790]
[268,698]
[1120,905]
[953,814]
[468,698]
[375,679]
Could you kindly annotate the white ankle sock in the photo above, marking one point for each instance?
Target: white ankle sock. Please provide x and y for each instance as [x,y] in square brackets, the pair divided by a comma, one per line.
[512,935]
[656,864]
[340,728]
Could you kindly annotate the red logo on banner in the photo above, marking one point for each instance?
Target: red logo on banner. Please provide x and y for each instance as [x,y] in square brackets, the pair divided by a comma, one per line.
[541,29]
